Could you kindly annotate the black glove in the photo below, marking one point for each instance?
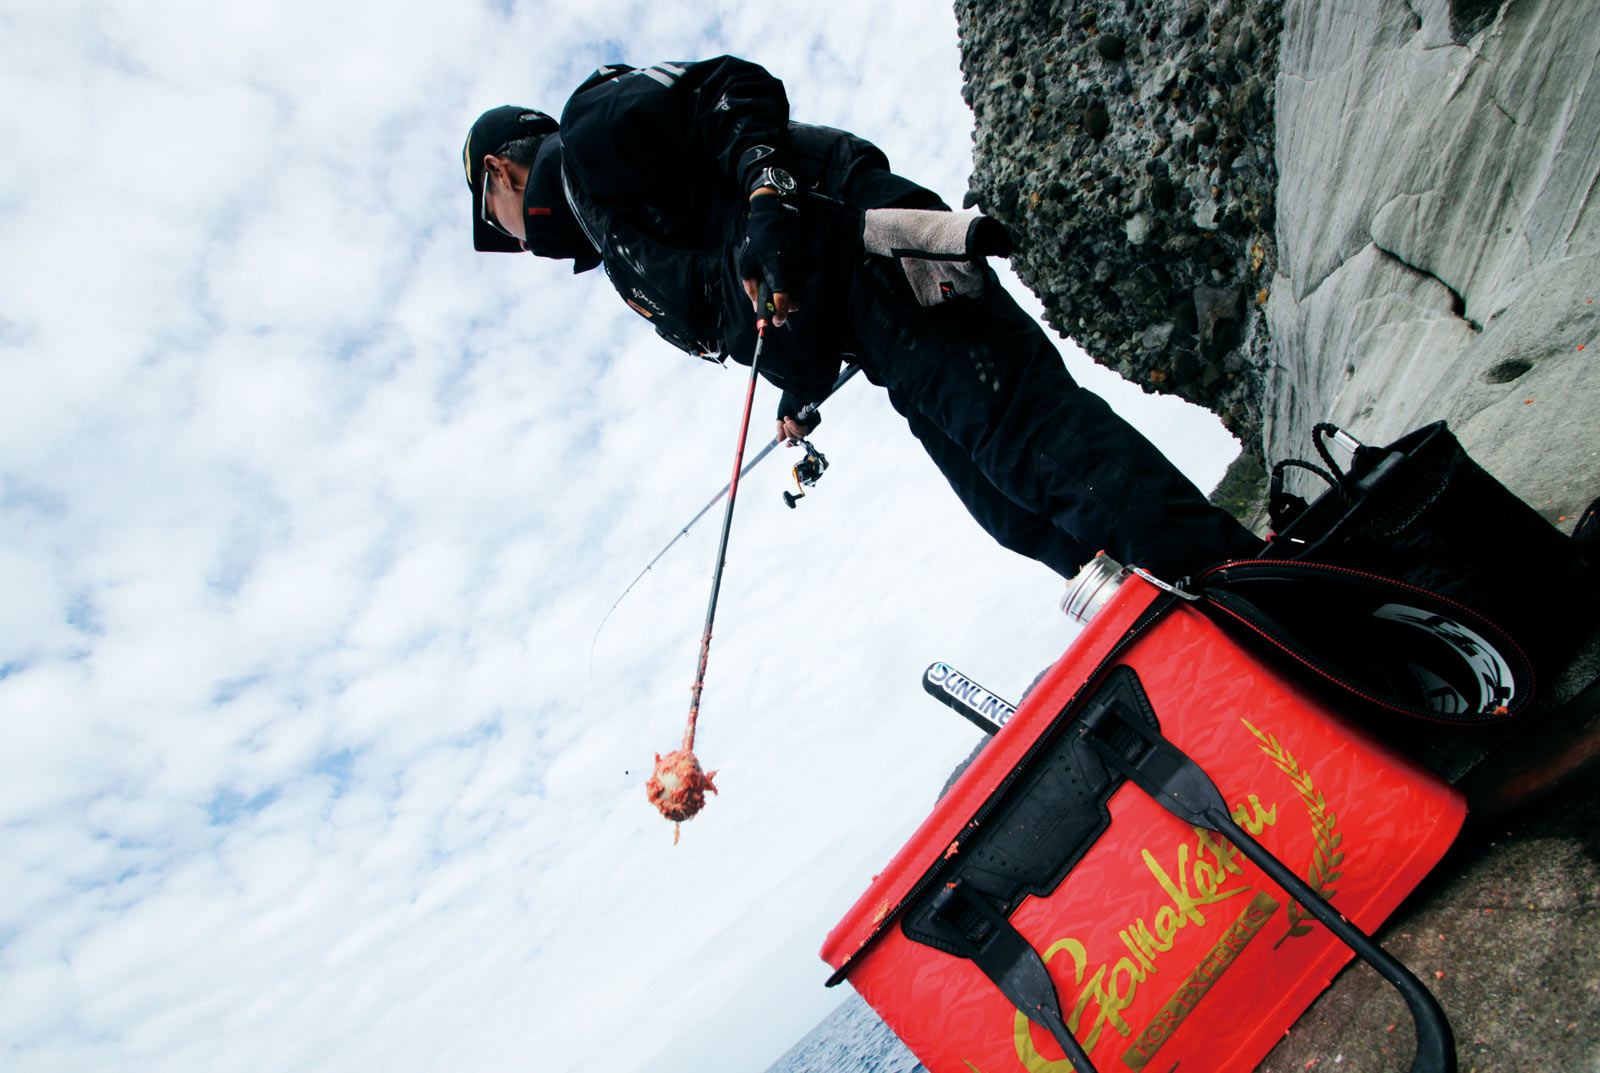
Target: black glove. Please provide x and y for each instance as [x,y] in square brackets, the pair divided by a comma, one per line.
[766,253]
[791,407]
[808,424]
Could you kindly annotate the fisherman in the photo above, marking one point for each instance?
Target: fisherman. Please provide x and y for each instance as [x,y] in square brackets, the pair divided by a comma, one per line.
[691,186]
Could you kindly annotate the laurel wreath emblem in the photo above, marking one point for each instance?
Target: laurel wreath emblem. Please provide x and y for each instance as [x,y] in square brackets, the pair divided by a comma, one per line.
[1326,857]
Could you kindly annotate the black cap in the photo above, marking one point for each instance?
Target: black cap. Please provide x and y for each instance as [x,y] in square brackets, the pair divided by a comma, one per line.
[491,133]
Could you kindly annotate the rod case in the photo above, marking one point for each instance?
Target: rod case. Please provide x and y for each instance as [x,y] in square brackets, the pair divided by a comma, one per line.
[1131,874]
[1422,511]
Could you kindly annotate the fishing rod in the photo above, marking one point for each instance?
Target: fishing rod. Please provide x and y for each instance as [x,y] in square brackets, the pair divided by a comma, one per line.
[678,784]
[813,470]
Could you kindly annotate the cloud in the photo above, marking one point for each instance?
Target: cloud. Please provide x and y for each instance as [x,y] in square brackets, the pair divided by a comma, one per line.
[308,516]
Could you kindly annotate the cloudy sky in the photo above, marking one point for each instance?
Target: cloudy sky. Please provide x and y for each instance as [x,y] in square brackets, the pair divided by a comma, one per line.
[308,517]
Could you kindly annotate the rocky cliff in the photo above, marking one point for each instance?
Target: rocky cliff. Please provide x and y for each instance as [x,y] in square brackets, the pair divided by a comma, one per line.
[1377,212]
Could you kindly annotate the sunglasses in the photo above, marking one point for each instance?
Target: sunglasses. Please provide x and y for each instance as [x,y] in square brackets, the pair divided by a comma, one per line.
[488,217]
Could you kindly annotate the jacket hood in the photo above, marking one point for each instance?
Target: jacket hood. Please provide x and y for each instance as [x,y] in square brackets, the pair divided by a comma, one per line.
[552,229]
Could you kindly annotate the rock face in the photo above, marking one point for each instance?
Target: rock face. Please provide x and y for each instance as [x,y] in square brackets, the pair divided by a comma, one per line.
[1440,259]
[1376,212]
[1128,144]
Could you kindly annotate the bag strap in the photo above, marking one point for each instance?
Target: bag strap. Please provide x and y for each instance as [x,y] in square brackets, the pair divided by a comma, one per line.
[1502,670]
[1325,428]
[1284,507]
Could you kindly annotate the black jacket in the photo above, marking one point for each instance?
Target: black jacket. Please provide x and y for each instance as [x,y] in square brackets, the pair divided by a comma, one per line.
[658,164]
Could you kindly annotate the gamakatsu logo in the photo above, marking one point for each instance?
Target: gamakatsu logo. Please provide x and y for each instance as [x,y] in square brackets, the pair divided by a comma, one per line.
[970,693]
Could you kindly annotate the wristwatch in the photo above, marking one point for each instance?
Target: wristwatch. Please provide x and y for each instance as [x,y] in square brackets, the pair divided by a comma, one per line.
[777,178]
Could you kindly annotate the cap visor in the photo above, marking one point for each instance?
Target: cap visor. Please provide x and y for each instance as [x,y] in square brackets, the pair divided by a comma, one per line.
[486,239]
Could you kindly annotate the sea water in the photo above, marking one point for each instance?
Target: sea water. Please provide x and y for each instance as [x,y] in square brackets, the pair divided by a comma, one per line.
[852,1039]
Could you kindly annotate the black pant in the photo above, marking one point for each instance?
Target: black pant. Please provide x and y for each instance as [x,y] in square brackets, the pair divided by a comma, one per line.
[1043,465]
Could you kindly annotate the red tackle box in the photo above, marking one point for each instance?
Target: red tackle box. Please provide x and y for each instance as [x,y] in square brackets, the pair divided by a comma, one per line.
[1050,877]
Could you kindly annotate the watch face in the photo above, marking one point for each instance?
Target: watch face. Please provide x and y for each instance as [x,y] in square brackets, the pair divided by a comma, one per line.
[779,180]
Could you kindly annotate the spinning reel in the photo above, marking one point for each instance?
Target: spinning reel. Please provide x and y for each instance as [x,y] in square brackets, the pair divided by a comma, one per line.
[806,473]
